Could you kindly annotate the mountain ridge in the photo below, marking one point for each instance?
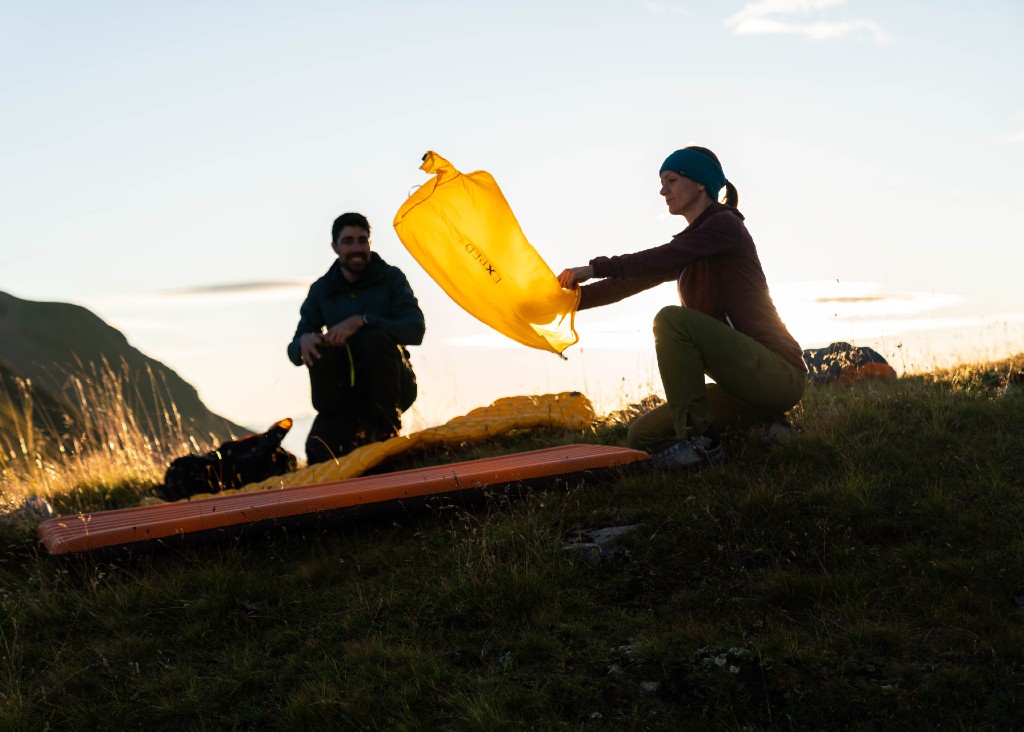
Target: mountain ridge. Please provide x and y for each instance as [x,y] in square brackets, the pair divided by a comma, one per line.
[48,350]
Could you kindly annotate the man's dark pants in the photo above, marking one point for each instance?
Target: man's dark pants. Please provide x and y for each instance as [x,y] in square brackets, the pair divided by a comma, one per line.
[357,393]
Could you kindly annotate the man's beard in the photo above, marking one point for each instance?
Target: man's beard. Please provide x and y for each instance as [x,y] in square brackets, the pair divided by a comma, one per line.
[356,267]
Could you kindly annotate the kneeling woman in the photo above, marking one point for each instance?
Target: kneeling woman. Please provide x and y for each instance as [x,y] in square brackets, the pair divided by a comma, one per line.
[727,326]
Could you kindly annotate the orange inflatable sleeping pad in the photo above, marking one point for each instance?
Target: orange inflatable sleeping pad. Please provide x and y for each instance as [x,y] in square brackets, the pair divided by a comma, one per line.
[85,532]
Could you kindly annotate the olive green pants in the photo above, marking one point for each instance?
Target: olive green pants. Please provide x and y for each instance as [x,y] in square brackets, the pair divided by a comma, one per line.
[751,381]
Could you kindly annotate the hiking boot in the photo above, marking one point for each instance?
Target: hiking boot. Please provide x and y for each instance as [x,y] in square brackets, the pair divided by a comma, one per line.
[775,430]
[694,452]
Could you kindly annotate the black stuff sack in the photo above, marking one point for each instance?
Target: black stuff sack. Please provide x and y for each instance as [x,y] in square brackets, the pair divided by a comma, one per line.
[235,463]
[407,388]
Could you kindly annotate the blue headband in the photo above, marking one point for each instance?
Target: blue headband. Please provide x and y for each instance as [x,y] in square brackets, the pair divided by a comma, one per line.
[697,167]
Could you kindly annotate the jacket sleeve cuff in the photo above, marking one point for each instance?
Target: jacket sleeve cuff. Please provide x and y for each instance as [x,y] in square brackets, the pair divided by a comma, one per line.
[602,267]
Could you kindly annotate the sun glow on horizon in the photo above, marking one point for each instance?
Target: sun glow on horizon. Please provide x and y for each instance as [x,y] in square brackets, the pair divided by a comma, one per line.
[818,313]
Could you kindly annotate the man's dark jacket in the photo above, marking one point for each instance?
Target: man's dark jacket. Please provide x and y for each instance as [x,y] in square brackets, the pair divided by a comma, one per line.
[382,293]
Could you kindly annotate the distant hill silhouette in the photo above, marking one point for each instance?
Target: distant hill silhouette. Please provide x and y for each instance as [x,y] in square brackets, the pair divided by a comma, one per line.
[58,347]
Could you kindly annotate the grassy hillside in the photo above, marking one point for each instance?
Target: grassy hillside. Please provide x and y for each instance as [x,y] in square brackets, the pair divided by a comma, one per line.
[868,575]
[67,353]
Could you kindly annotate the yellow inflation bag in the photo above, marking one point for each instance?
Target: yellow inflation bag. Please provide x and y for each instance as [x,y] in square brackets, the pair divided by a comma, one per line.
[459,227]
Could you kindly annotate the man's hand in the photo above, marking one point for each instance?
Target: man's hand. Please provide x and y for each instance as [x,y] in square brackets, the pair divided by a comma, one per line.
[309,347]
[338,333]
[575,276]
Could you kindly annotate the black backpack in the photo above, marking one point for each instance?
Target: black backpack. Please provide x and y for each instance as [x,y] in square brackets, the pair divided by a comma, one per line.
[845,363]
[235,463]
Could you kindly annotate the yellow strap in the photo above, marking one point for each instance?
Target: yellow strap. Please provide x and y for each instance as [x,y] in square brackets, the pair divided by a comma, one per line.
[351,366]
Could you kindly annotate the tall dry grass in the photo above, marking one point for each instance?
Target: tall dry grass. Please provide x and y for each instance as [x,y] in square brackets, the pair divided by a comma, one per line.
[100,442]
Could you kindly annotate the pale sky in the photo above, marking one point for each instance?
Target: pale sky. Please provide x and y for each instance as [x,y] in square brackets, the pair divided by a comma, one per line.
[176,168]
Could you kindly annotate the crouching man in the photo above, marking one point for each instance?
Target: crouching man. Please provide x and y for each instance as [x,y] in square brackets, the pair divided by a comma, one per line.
[353,328]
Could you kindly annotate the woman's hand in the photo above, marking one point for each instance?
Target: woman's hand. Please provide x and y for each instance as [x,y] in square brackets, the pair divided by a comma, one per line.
[574,276]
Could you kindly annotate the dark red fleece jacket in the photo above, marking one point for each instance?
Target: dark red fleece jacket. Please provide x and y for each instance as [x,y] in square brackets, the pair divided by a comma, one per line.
[719,274]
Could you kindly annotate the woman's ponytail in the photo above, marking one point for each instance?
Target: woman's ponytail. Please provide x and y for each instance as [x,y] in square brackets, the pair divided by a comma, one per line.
[732,196]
